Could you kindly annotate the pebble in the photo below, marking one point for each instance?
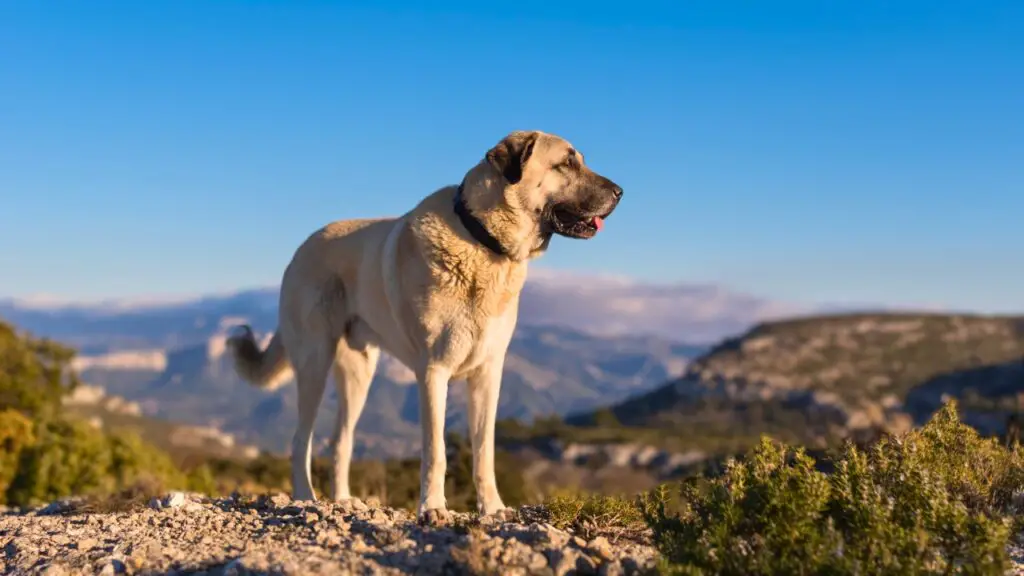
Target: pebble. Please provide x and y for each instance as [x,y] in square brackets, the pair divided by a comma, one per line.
[601,548]
[174,500]
[185,533]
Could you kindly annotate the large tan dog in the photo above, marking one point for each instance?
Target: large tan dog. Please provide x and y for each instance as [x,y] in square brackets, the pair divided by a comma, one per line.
[437,288]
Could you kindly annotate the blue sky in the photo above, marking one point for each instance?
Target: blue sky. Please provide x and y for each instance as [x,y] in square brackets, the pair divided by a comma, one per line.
[808,151]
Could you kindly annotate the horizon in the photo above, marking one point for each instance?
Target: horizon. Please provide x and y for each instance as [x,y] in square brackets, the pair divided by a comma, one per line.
[803,154]
[548,277]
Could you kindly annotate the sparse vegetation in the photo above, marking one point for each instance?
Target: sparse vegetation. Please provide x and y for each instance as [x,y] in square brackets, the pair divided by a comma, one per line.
[936,501]
[130,498]
[591,515]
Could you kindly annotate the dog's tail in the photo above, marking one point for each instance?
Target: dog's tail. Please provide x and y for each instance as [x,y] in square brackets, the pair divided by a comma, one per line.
[268,369]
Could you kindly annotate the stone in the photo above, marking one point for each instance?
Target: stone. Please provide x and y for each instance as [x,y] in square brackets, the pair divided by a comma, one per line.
[186,534]
[280,500]
[585,565]
[601,548]
[174,500]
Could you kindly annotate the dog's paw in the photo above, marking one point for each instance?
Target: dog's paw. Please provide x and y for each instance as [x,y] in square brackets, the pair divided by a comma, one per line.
[436,517]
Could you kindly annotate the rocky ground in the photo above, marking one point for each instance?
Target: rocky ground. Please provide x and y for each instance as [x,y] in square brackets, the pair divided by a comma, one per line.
[186,534]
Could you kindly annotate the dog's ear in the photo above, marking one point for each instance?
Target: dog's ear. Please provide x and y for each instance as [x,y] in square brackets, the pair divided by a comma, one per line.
[509,156]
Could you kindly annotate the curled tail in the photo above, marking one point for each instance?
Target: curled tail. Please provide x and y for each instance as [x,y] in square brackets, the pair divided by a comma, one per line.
[264,368]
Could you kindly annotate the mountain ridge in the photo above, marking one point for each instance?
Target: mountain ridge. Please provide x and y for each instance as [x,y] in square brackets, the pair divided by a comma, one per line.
[548,371]
[839,375]
[600,304]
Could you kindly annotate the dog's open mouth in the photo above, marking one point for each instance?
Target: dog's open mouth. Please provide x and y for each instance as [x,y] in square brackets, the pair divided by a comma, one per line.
[569,223]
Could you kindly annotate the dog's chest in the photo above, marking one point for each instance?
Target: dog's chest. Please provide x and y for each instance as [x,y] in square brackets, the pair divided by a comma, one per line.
[491,338]
[492,309]
[492,299]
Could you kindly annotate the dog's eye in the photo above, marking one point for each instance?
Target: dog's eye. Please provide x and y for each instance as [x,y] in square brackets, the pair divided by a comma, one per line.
[570,160]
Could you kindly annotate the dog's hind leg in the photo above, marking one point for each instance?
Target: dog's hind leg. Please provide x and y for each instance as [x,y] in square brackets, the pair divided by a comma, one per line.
[311,379]
[354,365]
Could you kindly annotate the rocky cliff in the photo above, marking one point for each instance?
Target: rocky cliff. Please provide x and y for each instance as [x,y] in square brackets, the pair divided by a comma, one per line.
[833,376]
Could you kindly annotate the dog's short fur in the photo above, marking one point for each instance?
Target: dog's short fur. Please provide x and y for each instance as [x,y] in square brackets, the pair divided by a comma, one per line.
[426,290]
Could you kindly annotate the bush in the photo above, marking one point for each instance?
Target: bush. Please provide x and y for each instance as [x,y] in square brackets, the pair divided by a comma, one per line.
[132,459]
[16,433]
[46,456]
[202,481]
[71,458]
[34,373]
[934,501]
[591,515]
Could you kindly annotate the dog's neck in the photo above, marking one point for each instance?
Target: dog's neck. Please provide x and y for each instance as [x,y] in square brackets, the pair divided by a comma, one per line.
[475,227]
[516,249]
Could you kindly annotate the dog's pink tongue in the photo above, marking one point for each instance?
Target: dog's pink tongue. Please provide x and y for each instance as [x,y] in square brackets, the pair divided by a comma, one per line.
[598,223]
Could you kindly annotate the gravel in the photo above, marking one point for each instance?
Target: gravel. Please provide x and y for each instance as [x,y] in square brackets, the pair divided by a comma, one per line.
[191,534]
[188,534]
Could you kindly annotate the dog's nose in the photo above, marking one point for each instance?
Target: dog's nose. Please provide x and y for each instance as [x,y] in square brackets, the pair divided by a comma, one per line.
[617,191]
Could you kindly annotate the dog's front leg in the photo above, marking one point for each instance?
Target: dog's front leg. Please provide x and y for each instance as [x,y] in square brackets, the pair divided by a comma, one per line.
[433,388]
[484,385]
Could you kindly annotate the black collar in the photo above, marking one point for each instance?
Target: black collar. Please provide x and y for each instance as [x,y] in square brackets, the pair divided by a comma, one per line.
[475,227]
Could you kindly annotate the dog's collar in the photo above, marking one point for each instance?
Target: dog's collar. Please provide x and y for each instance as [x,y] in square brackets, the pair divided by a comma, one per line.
[474,226]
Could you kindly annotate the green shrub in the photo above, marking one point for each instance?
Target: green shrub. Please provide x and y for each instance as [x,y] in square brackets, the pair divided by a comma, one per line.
[71,458]
[591,515]
[16,434]
[34,373]
[68,458]
[132,459]
[202,480]
[934,501]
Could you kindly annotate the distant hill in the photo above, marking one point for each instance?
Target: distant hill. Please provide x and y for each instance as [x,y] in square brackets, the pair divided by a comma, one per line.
[820,378]
[548,371]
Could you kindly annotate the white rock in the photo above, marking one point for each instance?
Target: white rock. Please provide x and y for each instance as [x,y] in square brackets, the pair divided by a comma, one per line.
[174,500]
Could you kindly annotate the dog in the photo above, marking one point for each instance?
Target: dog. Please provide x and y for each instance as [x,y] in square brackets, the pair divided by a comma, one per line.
[438,289]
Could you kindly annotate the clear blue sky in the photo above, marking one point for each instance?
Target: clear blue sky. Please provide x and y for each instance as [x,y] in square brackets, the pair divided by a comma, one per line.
[812,151]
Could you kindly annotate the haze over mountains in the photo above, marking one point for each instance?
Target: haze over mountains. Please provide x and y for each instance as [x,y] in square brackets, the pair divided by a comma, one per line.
[583,341]
[596,304]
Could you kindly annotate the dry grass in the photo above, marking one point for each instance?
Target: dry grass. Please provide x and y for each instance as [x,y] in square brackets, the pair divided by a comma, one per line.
[133,498]
[592,515]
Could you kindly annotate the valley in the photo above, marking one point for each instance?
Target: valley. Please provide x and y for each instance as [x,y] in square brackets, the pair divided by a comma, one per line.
[640,401]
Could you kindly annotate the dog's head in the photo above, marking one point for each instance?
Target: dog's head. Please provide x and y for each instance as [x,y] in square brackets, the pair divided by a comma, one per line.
[544,176]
